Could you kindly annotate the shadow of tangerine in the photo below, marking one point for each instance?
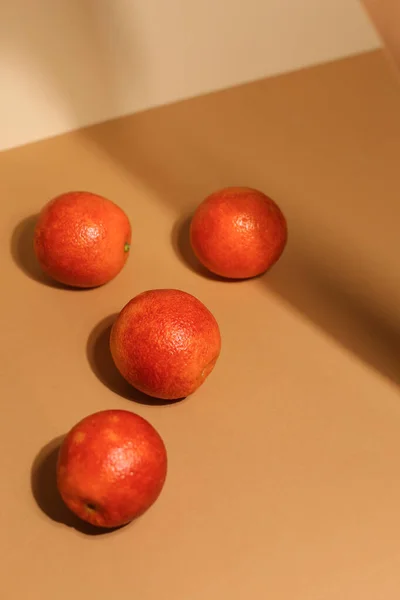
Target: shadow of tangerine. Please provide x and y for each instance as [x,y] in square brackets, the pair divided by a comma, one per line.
[180,238]
[101,363]
[46,494]
[21,248]
[23,254]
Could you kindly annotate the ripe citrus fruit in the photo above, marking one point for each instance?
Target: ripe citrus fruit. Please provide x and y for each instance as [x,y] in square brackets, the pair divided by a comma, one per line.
[82,239]
[111,467]
[165,343]
[238,233]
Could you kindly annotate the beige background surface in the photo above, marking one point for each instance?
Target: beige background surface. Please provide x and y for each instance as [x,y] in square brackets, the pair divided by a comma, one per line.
[68,63]
[284,467]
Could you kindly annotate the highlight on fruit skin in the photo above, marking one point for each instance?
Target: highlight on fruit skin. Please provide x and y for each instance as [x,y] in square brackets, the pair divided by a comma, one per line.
[111,468]
[165,343]
[238,232]
[82,239]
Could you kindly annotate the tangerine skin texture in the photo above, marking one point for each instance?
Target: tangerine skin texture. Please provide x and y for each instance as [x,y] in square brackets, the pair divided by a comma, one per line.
[238,233]
[82,239]
[165,343]
[111,468]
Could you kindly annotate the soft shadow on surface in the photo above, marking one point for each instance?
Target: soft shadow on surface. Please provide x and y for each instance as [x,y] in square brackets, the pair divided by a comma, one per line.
[22,252]
[47,497]
[180,239]
[101,362]
[23,255]
[384,16]
[355,321]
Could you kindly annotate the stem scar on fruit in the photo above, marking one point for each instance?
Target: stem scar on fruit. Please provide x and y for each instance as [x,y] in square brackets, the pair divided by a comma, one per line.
[127,247]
